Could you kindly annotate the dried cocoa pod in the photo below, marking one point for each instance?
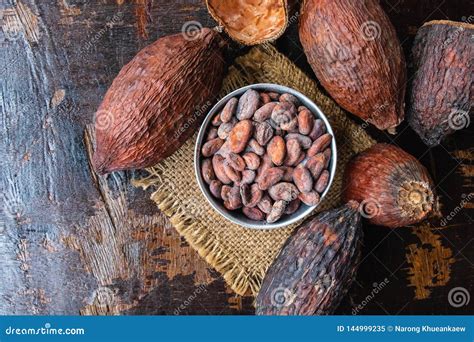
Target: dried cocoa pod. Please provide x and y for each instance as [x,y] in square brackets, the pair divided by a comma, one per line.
[251,160]
[258,22]
[211,147]
[263,133]
[248,104]
[394,189]
[225,129]
[304,141]
[319,128]
[270,177]
[289,98]
[283,191]
[320,144]
[310,198]
[264,112]
[207,171]
[315,267]
[216,188]
[265,204]
[442,94]
[293,152]
[293,206]
[236,161]
[248,176]
[225,191]
[276,149]
[322,182]
[254,146]
[278,209]
[355,53]
[303,179]
[305,121]
[253,213]
[147,92]
[212,134]
[283,113]
[234,201]
[315,164]
[229,109]
[233,175]
[218,163]
[240,135]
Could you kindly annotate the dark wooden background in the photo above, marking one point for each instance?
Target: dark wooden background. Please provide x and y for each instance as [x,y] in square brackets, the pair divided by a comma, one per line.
[73,243]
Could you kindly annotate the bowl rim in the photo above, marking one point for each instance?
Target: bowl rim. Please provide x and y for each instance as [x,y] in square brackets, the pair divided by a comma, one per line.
[262,225]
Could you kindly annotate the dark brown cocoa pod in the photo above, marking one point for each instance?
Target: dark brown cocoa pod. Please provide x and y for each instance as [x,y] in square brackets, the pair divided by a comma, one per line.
[207,171]
[392,187]
[229,109]
[211,147]
[315,267]
[263,133]
[253,213]
[248,104]
[442,97]
[320,144]
[322,182]
[216,188]
[270,177]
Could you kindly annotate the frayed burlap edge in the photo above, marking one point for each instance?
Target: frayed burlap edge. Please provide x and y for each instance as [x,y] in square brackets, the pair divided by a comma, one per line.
[263,64]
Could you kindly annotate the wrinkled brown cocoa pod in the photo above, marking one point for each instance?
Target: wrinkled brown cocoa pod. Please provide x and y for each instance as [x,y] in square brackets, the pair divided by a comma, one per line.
[315,267]
[148,92]
[277,150]
[207,171]
[270,177]
[355,53]
[442,97]
[240,135]
[392,186]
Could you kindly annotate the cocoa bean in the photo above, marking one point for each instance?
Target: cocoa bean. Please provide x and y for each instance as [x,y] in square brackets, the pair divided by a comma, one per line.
[216,120]
[218,163]
[207,171]
[319,128]
[233,175]
[310,198]
[274,96]
[248,104]
[265,98]
[234,201]
[322,182]
[248,176]
[283,113]
[265,164]
[288,175]
[251,160]
[225,129]
[253,213]
[303,179]
[251,195]
[263,133]
[305,121]
[278,209]
[216,188]
[264,112]
[300,108]
[301,158]
[240,135]
[293,152]
[211,147]
[212,134]
[290,126]
[320,144]
[270,177]
[283,191]
[315,164]
[229,110]
[327,156]
[225,191]
[304,141]
[254,146]
[265,204]
[235,161]
[277,150]
[289,98]
[293,206]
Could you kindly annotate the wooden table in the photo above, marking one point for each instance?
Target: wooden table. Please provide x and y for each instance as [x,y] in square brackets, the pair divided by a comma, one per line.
[73,243]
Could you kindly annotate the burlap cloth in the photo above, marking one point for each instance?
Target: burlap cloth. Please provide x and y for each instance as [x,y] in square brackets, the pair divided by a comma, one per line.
[243,255]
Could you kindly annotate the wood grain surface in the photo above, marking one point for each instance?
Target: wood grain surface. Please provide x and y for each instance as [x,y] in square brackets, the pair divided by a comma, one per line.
[72,242]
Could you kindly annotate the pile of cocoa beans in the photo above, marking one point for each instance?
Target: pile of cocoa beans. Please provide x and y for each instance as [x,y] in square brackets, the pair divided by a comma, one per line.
[266,154]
